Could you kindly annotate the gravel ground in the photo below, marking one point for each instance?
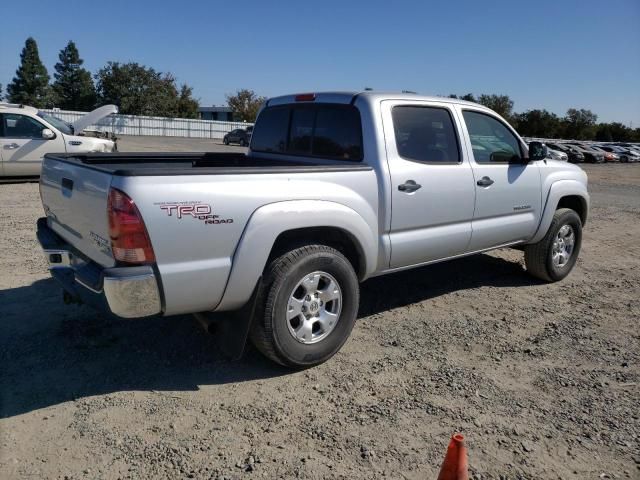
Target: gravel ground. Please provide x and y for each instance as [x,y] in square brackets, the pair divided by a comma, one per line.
[544,380]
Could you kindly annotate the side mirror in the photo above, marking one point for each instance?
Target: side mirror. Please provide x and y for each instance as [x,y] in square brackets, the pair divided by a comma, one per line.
[48,134]
[537,151]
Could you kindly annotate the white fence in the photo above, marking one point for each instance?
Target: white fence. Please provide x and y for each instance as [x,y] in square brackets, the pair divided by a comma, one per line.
[157,126]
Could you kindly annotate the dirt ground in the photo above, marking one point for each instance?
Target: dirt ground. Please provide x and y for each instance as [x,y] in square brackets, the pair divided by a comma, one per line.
[543,380]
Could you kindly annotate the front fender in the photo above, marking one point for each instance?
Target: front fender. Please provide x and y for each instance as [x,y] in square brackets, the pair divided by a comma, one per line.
[269,221]
[559,189]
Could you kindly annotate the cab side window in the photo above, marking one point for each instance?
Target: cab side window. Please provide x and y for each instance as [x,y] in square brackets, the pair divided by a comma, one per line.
[491,140]
[20,126]
[425,134]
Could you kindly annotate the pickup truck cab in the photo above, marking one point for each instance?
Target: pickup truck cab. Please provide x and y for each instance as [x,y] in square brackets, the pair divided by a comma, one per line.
[335,188]
[27,134]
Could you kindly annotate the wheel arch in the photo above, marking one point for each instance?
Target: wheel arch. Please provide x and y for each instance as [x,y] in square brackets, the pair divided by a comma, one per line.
[563,194]
[338,238]
[277,226]
[576,203]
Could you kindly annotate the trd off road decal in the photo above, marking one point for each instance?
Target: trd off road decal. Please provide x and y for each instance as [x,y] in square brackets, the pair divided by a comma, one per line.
[193,209]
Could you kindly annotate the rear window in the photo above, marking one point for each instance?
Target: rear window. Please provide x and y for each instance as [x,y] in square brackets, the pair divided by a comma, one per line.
[321,130]
[271,134]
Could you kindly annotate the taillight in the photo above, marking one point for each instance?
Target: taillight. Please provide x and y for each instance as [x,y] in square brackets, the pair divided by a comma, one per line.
[129,239]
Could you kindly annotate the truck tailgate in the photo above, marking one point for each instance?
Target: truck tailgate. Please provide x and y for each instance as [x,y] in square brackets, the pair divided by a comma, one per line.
[75,198]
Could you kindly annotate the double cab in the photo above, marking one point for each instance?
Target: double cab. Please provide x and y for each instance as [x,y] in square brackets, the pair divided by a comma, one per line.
[334,189]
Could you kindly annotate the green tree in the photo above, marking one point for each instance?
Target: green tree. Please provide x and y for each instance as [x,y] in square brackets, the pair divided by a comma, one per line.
[538,123]
[187,106]
[501,104]
[469,98]
[73,86]
[245,105]
[579,124]
[1,95]
[30,86]
[139,90]
[614,132]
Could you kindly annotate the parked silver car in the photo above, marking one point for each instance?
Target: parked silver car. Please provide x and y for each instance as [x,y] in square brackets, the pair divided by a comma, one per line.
[557,155]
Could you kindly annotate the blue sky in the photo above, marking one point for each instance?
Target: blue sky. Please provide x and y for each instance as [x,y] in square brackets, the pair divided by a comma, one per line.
[544,54]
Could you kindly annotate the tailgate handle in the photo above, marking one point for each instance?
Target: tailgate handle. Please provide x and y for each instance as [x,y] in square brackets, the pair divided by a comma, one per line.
[67,183]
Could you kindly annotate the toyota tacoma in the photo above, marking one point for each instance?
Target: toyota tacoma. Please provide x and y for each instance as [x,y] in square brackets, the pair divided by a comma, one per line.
[335,188]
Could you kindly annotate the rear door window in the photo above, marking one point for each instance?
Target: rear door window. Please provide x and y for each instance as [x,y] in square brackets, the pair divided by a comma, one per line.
[425,134]
[321,130]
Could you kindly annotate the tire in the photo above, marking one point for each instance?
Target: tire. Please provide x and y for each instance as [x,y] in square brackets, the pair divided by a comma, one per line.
[243,142]
[225,140]
[287,338]
[539,257]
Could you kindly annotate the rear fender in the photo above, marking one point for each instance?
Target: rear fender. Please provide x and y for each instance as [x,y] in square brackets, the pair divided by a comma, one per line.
[269,221]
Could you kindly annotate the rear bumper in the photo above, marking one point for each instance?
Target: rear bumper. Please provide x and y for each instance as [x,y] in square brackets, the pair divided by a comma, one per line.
[128,292]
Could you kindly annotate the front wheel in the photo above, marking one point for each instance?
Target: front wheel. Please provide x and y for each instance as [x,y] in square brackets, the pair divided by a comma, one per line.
[311,297]
[553,257]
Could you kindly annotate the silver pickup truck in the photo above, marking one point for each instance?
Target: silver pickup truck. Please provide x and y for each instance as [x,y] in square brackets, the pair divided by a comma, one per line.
[336,188]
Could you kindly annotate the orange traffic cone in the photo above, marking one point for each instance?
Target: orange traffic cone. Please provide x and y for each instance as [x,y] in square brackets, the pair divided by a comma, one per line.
[455,466]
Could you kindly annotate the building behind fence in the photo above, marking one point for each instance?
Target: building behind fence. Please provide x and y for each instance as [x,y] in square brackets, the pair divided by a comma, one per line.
[156,126]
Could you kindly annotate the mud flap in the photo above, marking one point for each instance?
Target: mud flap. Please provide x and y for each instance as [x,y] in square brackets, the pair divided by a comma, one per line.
[231,329]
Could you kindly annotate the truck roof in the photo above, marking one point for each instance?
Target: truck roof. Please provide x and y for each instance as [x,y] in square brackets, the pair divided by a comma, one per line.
[370,95]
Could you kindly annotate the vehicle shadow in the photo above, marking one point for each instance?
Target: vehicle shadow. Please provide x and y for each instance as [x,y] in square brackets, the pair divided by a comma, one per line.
[411,286]
[52,353]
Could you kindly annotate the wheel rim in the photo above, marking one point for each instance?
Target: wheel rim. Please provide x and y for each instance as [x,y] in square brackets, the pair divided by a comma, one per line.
[314,307]
[563,246]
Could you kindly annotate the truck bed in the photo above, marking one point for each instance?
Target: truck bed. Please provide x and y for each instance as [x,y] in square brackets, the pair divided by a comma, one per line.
[208,163]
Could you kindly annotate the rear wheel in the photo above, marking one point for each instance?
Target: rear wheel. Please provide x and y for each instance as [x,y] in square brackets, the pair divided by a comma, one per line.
[311,297]
[243,142]
[225,140]
[553,257]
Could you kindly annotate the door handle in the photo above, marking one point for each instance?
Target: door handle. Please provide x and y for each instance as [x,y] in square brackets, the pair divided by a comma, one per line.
[484,182]
[409,186]
[11,146]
